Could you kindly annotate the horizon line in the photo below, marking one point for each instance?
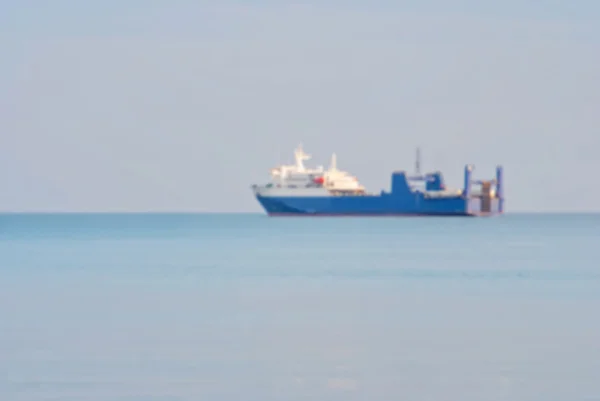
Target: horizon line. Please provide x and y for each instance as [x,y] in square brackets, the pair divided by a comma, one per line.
[196,212]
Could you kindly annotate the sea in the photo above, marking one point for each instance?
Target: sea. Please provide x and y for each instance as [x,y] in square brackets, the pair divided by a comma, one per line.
[244,307]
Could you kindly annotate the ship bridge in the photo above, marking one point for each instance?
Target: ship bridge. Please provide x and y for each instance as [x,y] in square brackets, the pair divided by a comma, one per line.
[297,176]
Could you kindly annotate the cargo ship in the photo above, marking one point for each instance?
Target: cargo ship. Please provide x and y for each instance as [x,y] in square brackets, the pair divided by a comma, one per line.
[296,190]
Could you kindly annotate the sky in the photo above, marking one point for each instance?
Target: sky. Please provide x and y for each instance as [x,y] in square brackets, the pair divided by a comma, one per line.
[183,105]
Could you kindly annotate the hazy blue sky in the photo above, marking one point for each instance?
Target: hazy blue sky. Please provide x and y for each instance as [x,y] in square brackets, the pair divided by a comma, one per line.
[182,105]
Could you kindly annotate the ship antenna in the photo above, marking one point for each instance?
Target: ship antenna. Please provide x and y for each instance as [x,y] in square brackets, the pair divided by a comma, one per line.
[418,162]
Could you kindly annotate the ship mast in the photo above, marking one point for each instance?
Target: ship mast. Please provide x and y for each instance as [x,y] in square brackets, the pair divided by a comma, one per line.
[418,163]
[301,156]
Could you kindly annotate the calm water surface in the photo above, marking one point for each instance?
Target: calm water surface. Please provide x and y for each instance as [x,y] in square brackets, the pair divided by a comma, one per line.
[245,307]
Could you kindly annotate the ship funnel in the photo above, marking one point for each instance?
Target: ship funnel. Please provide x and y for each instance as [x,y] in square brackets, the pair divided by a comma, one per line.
[333,165]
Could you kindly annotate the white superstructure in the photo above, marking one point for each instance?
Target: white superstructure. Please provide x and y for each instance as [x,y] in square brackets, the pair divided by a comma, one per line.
[299,180]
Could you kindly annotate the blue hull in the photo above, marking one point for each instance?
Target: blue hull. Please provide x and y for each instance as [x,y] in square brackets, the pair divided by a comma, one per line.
[400,201]
[375,205]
